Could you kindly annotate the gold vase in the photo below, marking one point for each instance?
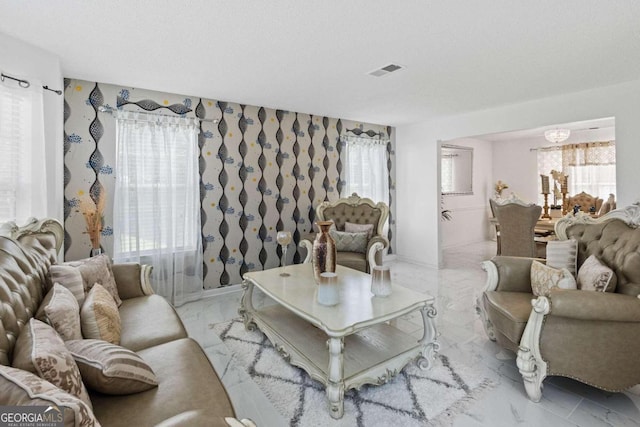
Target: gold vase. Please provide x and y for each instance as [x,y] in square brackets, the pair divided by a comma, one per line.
[324,251]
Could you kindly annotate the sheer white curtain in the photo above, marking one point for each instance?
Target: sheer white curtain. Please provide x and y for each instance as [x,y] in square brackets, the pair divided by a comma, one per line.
[366,171]
[157,201]
[22,157]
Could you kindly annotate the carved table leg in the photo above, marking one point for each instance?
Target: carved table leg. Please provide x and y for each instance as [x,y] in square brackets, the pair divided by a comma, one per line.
[246,305]
[335,383]
[430,344]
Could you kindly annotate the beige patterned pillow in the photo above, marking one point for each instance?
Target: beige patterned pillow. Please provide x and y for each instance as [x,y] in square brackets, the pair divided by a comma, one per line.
[350,242]
[70,278]
[97,269]
[544,278]
[41,351]
[60,309]
[563,254]
[350,227]
[595,276]
[22,388]
[99,316]
[111,369]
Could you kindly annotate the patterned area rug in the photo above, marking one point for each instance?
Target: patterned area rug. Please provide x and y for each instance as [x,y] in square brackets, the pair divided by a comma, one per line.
[413,398]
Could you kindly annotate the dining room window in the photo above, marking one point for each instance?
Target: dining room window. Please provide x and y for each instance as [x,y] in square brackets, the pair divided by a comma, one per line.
[591,167]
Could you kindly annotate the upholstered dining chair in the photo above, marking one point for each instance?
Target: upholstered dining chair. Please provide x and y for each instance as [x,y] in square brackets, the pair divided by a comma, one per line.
[360,213]
[517,221]
[587,203]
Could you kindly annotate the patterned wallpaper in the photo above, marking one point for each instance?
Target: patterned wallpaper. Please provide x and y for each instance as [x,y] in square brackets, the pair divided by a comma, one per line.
[261,170]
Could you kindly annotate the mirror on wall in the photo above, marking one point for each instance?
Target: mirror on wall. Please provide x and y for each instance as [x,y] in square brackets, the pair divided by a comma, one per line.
[456,166]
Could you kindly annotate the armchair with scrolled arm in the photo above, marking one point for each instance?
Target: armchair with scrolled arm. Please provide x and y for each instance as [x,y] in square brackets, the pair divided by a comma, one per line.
[591,337]
[356,210]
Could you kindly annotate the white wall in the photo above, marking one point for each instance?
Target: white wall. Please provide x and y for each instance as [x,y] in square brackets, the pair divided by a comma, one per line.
[25,61]
[418,224]
[469,215]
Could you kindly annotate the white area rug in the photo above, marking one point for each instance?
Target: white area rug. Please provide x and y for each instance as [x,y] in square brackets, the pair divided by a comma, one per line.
[413,398]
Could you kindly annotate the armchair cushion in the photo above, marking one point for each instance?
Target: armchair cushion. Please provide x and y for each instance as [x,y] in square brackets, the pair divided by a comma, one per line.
[349,242]
[545,278]
[353,260]
[509,312]
[350,227]
[595,276]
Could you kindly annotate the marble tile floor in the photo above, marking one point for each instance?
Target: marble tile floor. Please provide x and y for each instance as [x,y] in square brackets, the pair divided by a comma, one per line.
[565,402]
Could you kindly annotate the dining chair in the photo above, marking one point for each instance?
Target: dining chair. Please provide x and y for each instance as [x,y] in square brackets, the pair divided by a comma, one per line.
[516,222]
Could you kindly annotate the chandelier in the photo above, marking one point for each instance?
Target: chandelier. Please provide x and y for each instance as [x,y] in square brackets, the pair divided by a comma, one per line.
[557,135]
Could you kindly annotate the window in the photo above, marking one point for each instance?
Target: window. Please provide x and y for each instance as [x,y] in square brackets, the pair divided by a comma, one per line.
[366,168]
[157,184]
[157,201]
[22,166]
[591,167]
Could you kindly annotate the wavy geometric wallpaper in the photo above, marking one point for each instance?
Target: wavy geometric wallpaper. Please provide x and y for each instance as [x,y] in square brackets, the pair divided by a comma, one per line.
[261,169]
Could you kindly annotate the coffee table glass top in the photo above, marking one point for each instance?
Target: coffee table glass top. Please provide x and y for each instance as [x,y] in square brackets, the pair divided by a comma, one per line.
[357,307]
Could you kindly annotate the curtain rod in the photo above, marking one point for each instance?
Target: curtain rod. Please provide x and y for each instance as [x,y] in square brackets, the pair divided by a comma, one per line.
[370,133]
[559,147]
[111,110]
[25,83]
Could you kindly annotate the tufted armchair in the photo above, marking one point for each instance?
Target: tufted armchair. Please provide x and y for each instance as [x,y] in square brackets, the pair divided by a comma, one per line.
[356,210]
[589,336]
[587,203]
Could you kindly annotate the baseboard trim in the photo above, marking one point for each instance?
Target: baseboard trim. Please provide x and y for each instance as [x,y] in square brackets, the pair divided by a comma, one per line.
[223,290]
[415,262]
[389,258]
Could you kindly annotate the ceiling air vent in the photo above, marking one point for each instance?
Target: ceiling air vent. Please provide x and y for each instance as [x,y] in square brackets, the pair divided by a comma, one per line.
[385,70]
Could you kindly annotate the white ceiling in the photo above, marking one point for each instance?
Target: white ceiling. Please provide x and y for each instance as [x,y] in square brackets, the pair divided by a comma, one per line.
[460,55]
[584,128]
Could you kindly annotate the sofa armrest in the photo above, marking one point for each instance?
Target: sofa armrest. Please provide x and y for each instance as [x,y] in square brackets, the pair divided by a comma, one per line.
[132,279]
[586,305]
[508,274]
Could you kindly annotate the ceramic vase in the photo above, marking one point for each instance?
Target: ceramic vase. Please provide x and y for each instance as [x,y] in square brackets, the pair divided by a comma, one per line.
[328,293]
[324,251]
[96,251]
[381,281]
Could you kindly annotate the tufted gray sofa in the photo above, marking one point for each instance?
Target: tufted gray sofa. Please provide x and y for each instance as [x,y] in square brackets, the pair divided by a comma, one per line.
[588,336]
[189,390]
[357,210]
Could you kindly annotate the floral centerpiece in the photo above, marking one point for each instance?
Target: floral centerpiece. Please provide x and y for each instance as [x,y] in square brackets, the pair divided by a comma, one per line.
[93,213]
[499,186]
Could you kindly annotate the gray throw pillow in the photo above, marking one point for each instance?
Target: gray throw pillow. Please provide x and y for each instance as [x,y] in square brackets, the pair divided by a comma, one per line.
[350,242]
[350,227]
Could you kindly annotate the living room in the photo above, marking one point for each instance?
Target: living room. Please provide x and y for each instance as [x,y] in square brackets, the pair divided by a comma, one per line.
[466,71]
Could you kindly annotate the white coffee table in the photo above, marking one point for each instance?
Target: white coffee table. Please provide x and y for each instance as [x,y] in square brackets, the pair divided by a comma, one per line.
[344,346]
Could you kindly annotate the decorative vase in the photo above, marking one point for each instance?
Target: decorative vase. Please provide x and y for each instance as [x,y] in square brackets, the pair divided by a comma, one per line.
[328,293]
[324,251]
[381,281]
[96,251]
